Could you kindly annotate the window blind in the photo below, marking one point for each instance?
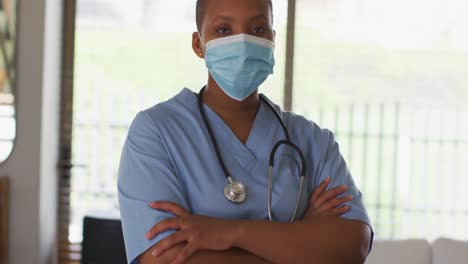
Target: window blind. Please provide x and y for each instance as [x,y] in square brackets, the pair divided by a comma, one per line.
[68,252]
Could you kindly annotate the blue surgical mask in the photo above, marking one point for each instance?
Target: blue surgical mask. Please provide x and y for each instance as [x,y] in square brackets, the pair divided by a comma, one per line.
[240,64]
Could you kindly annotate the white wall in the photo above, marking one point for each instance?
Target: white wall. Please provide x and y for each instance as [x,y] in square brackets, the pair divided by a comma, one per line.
[32,165]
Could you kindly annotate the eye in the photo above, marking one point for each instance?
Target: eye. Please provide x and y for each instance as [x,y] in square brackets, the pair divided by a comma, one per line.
[223,30]
[259,30]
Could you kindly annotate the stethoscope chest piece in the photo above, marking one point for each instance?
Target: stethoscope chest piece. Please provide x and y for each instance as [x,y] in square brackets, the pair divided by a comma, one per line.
[234,191]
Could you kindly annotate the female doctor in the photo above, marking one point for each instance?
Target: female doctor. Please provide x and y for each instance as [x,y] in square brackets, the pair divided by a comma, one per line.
[222,175]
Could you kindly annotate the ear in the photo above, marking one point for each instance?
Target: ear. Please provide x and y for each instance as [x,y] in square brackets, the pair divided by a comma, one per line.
[274,35]
[197,45]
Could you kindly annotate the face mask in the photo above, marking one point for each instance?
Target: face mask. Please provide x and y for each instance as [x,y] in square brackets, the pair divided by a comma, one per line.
[240,64]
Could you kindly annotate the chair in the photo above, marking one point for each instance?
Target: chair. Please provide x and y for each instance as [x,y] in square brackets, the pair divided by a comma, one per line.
[449,251]
[4,189]
[102,241]
[401,252]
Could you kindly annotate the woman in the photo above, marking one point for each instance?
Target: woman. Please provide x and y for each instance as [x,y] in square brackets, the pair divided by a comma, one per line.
[182,154]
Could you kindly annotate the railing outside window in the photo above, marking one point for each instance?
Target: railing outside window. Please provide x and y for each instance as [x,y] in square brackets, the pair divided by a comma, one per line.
[408,162]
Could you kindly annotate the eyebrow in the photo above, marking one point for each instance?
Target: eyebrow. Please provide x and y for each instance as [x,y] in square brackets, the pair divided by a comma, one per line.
[259,16]
[229,18]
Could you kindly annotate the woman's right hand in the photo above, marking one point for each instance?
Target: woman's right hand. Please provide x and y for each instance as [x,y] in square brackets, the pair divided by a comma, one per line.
[327,203]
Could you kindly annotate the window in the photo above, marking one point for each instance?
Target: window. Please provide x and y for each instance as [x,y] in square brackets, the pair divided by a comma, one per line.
[7,77]
[129,57]
[391,87]
[390,79]
[8,125]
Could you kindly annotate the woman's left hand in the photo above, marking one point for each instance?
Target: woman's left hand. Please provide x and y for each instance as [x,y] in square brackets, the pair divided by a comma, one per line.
[198,232]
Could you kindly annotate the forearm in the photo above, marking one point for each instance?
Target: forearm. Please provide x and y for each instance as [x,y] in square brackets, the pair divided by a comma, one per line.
[232,256]
[322,240]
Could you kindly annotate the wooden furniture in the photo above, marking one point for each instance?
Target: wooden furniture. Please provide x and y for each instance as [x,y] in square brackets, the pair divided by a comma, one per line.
[4,188]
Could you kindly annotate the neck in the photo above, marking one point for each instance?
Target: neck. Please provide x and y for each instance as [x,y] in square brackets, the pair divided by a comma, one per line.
[215,97]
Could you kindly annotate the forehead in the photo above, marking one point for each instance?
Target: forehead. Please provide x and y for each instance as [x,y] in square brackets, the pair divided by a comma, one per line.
[237,8]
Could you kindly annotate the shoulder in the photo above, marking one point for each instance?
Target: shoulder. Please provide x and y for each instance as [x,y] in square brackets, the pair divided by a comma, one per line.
[161,115]
[299,124]
[306,133]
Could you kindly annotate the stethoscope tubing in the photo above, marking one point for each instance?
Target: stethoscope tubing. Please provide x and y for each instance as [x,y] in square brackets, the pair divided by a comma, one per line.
[271,158]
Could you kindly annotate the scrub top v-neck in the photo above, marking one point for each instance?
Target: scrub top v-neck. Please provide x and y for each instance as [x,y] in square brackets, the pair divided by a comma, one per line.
[168,156]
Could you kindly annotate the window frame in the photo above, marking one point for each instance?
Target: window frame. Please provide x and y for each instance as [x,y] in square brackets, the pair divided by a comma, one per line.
[71,252]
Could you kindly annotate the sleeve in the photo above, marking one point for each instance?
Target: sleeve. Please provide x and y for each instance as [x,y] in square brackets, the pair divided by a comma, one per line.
[334,166]
[145,175]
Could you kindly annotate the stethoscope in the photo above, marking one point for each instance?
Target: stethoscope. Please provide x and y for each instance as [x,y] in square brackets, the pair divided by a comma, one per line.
[234,190]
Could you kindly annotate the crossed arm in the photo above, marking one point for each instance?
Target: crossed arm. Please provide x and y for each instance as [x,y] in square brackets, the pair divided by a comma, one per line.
[321,237]
[326,240]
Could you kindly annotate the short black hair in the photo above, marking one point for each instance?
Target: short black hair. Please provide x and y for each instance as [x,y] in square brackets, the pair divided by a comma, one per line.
[200,12]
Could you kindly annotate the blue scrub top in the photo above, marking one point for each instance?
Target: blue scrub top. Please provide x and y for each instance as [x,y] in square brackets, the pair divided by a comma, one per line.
[168,156]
